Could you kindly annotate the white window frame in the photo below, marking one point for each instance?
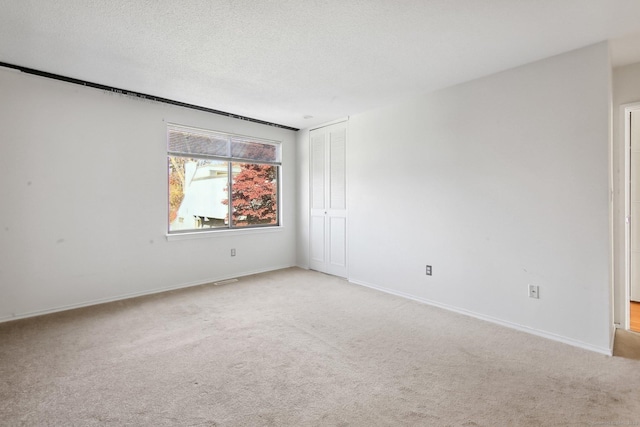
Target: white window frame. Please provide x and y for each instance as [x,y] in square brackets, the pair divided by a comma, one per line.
[229,159]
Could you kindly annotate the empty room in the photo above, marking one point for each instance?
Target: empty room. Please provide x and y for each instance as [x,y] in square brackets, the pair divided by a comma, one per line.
[320,213]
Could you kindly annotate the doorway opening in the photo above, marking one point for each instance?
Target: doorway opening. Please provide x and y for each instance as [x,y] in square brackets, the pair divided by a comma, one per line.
[632,216]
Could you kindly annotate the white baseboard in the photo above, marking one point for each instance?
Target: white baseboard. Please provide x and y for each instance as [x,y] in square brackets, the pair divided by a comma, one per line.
[533,331]
[17,316]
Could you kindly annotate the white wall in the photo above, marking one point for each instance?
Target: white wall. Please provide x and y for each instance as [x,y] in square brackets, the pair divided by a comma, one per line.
[626,90]
[83,192]
[497,183]
[302,178]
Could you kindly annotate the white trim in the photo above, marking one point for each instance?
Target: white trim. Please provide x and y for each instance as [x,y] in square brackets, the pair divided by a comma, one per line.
[332,122]
[625,110]
[138,294]
[612,228]
[522,328]
[223,232]
[347,136]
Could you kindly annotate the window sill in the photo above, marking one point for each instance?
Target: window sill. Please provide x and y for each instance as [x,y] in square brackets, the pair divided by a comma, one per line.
[221,233]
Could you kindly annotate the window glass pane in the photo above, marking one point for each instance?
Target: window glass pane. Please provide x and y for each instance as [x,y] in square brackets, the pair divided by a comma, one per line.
[251,150]
[254,194]
[189,142]
[198,193]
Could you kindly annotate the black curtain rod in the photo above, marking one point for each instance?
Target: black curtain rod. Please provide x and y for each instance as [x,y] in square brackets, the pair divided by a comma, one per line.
[138,94]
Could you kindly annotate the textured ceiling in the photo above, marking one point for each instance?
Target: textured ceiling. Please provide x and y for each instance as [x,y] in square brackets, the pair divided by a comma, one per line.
[281,60]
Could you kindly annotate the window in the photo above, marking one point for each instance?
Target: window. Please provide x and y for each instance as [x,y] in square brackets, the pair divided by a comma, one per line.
[221,181]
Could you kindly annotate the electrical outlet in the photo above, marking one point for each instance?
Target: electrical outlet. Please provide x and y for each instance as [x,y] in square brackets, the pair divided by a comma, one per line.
[428,270]
[233,252]
[534,291]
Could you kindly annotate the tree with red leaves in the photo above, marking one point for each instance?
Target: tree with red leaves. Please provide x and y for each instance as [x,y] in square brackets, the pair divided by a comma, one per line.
[254,195]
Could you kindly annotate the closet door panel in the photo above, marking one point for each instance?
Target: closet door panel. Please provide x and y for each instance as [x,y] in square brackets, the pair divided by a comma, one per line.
[328,200]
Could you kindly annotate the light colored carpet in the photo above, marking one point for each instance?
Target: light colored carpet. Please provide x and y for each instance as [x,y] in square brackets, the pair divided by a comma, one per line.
[299,348]
[627,344]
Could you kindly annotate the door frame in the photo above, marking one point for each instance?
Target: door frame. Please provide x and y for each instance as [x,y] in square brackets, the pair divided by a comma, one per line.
[626,113]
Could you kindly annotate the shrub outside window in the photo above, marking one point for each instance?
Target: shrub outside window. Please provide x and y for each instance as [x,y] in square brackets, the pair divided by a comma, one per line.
[221,181]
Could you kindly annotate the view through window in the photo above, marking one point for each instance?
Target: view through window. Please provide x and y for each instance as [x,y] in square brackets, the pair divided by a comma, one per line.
[221,181]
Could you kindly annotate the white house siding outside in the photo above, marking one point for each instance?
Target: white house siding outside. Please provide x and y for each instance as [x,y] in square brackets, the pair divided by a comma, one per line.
[204,191]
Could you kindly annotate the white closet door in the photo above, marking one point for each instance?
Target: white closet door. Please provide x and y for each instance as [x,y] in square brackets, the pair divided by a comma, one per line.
[328,222]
